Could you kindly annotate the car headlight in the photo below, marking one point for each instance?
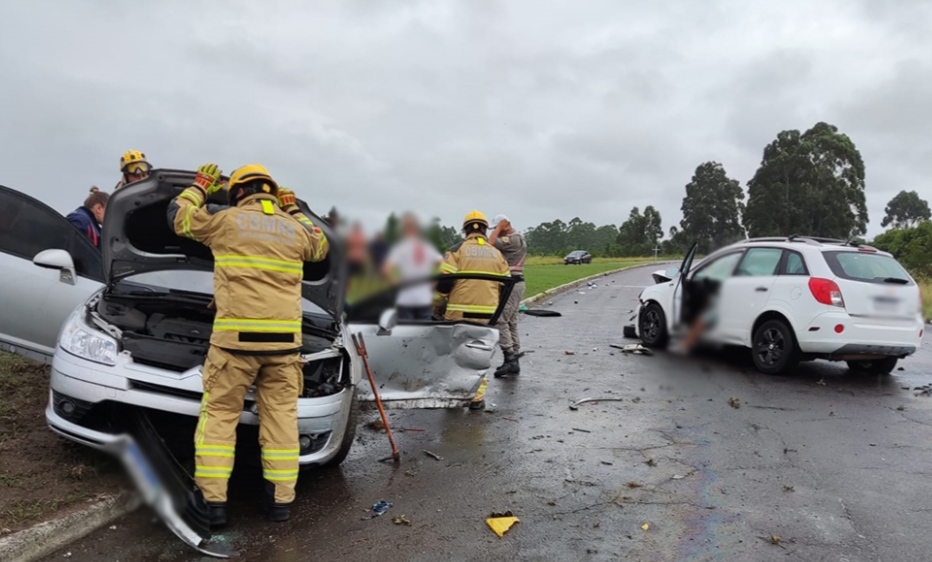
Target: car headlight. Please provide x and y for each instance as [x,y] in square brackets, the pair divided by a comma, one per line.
[80,339]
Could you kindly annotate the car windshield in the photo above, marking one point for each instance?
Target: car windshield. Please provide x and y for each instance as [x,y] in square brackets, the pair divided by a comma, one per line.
[865,266]
[191,281]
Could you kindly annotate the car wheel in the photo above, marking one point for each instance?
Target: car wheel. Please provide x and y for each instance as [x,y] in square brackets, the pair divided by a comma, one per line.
[348,436]
[774,348]
[652,325]
[874,367]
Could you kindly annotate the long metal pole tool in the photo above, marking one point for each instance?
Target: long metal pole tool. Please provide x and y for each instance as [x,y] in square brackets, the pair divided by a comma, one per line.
[361,350]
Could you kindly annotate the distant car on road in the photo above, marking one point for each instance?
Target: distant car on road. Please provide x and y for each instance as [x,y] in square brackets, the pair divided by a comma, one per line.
[577,257]
[795,299]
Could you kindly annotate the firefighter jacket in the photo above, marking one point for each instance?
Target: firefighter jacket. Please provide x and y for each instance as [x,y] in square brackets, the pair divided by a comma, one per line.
[259,253]
[474,299]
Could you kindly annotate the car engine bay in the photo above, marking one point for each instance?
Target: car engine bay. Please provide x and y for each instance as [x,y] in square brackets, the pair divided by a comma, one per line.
[173,333]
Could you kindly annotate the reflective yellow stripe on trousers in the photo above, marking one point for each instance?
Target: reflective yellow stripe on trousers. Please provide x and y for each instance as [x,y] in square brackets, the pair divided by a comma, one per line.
[259,262]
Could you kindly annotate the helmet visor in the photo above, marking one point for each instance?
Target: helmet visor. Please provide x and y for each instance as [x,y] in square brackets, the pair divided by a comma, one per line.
[136,168]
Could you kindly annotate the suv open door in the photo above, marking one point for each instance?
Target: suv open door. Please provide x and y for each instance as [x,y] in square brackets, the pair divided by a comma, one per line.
[49,269]
[432,364]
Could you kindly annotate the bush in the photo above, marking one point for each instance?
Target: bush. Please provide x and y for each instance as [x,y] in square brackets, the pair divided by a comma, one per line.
[912,247]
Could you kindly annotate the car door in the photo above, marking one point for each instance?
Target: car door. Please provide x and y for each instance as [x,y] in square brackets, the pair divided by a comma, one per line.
[676,306]
[37,294]
[425,364]
[744,294]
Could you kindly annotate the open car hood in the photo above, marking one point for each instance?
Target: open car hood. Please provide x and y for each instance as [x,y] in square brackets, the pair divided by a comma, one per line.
[137,239]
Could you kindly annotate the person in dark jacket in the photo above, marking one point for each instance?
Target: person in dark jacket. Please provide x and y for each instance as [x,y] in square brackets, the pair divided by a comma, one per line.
[90,216]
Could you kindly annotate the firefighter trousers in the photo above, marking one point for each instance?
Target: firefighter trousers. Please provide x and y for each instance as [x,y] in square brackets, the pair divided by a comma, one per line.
[227,376]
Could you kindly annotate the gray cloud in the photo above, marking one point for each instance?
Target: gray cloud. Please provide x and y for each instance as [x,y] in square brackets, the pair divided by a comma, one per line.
[541,110]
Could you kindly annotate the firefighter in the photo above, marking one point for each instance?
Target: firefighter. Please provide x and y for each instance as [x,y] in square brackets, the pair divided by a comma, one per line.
[260,244]
[473,299]
[134,166]
[511,244]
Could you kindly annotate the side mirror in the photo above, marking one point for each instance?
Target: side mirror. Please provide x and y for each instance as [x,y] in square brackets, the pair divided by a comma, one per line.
[387,321]
[60,260]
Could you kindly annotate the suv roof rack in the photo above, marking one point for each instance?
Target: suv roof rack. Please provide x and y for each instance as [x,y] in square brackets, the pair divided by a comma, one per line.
[814,240]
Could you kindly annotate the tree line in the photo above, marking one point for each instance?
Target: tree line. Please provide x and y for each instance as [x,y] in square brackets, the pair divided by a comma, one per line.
[808,183]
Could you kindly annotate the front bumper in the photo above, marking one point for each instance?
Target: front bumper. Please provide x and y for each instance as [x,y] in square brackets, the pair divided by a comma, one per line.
[88,384]
[861,337]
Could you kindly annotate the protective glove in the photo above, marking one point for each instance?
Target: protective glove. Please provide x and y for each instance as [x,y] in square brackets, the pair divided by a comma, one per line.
[208,178]
[286,197]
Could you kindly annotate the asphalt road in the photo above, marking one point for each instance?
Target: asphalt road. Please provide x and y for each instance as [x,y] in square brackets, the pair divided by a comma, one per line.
[829,465]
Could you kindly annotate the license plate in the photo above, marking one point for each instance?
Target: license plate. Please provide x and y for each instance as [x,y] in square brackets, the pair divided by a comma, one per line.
[886,305]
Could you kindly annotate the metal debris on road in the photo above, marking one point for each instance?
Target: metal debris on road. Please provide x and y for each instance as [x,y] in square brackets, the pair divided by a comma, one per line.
[788,488]
[634,484]
[434,456]
[404,429]
[821,382]
[501,523]
[379,508]
[582,430]
[401,520]
[635,348]
[575,405]
[569,352]
[734,402]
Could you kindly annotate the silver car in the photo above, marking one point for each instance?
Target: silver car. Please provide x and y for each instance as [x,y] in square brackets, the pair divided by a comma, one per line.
[129,326]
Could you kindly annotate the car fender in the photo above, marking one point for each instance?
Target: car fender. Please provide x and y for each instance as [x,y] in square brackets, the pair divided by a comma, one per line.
[773,307]
[662,295]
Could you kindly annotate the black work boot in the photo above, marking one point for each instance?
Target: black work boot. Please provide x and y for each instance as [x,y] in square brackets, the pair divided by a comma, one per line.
[509,367]
[277,512]
[217,514]
[504,368]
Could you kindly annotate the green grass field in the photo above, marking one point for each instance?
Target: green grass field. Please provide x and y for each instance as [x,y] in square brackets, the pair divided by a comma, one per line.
[542,273]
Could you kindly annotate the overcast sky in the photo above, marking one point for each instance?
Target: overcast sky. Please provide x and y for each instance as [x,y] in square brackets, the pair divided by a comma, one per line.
[537,109]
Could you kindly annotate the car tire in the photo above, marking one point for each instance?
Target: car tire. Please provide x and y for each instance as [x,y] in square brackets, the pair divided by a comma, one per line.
[652,326]
[773,348]
[874,367]
[349,436]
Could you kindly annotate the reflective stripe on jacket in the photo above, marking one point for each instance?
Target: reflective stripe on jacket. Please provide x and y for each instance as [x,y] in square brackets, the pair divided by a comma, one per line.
[259,253]
[474,299]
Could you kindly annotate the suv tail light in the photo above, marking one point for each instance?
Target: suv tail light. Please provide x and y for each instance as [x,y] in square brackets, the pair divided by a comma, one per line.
[826,291]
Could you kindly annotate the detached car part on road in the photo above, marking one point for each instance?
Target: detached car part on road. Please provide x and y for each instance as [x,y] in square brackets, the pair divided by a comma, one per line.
[795,299]
[135,322]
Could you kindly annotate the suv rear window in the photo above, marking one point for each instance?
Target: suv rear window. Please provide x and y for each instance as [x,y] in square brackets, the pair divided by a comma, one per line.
[870,268]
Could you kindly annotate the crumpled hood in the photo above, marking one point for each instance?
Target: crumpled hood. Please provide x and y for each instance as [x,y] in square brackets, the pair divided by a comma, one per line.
[137,239]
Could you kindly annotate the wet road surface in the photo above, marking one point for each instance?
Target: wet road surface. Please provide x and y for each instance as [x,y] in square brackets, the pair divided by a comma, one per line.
[831,466]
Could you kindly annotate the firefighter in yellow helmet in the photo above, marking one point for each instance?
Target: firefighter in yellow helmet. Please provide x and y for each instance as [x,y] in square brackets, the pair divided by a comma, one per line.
[473,300]
[260,243]
[134,167]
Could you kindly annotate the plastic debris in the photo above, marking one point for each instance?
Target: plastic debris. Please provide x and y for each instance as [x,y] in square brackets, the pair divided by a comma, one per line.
[501,523]
[434,456]
[677,477]
[401,520]
[633,348]
[379,508]
[645,526]
[569,352]
[575,405]
[734,402]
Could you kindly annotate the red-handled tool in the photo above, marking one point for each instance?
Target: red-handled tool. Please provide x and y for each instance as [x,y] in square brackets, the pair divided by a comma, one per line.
[361,350]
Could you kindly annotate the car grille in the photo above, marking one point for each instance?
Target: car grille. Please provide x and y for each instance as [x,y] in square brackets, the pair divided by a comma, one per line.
[177,392]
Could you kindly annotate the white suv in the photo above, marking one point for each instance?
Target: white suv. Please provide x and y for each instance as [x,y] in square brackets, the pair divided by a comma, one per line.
[794,299]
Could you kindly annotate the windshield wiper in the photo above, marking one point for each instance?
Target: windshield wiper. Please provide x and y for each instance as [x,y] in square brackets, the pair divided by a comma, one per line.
[896,280]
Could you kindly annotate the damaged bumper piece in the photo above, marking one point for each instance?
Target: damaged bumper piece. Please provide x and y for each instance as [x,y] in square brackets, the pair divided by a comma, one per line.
[163,483]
